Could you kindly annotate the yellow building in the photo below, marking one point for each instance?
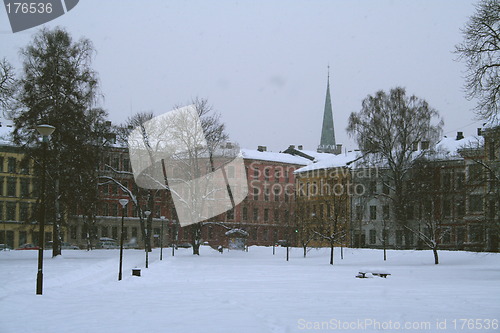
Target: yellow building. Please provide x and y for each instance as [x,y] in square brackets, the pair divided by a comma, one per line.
[18,198]
[323,192]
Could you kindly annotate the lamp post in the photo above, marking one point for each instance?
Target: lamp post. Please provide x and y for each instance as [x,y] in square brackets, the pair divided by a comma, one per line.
[146,213]
[124,203]
[174,236]
[161,237]
[45,131]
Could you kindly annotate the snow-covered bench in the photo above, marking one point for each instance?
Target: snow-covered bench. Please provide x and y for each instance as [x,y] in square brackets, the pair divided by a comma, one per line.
[368,273]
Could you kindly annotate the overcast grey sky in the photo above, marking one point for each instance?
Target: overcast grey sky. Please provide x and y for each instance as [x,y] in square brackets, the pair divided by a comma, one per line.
[263,64]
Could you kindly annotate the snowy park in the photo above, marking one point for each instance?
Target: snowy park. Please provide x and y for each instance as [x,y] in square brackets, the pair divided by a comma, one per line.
[252,291]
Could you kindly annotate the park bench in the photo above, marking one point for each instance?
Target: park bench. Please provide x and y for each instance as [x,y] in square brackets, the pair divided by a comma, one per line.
[362,274]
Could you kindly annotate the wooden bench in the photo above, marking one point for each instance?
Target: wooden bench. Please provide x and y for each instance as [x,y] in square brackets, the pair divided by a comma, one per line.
[362,275]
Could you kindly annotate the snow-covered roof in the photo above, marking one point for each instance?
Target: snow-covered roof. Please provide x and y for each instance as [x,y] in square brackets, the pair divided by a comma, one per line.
[327,161]
[449,147]
[273,157]
[6,127]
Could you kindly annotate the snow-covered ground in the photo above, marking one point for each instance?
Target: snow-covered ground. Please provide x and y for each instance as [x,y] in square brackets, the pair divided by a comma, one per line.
[250,292]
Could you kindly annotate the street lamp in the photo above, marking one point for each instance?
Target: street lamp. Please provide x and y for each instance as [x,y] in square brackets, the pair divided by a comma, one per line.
[45,131]
[174,236]
[147,213]
[124,203]
[161,237]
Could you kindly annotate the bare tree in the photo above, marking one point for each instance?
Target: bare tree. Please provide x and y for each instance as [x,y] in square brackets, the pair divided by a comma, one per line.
[481,52]
[7,84]
[392,130]
[184,147]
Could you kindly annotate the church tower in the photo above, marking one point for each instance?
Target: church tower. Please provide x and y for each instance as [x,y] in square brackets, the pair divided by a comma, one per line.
[327,143]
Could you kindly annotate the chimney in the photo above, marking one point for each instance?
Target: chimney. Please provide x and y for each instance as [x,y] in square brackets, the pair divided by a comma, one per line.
[460,135]
[107,123]
[262,148]
[291,147]
[479,132]
[300,147]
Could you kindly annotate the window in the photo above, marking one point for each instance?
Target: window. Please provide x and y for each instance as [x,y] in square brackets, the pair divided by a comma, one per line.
[399,237]
[125,233]
[126,164]
[1,212]
[255,214]
[410,212]
[11,186]
[447,208]
[492,150]
[23,237]
[276,193]
[476,233]
[287,177]
[266,214]
[359,212]
[116,163]
[267,174]
[25,167]
[373,235]
[446,236]
[276,215]
[476,173]
[114,210]
[476,203]
[25,187]
[256,193]
[265,235]
[11,168]
[373,212]
[72,232]
[11,211]
[134,232]
[1,164]
[277,175]
[1,185]
[408,237]
[104,231]
[385,188]
[386,212]
[460,180]
[230,214]
[255,173]
[245,213]
[24,212]
[266,194]
[460,208]
[114,232]
[373,187]
[446,182]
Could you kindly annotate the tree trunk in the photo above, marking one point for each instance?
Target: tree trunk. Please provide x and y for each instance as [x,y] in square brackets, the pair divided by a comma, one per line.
[436,258]
[56,236]
[196,238]
[331,254]
[305,250]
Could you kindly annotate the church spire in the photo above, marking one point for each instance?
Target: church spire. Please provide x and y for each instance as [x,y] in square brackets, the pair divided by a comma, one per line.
[327,143]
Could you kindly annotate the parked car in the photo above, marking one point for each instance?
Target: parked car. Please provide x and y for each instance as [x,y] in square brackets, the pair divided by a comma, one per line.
[28,246]
[184,245]
[107,243]
[68,246]
[5,247]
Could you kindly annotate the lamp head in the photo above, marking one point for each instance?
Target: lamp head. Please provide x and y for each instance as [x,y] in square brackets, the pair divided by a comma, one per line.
[123,202]
[147,213]
[45,129]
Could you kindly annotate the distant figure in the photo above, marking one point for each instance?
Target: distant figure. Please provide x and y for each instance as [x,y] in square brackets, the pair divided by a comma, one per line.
[220,248]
